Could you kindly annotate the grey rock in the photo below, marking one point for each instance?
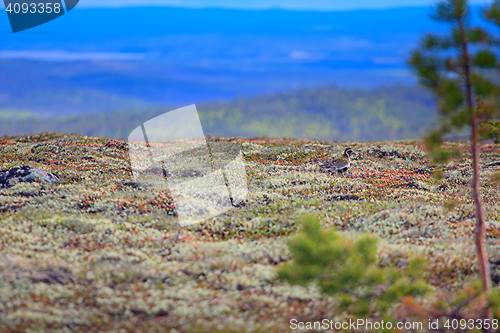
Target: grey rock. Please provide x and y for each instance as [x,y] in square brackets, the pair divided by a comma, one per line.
[25,173]
[344,197]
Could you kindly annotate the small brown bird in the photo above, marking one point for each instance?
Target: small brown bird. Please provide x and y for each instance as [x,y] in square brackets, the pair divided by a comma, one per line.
[339,165]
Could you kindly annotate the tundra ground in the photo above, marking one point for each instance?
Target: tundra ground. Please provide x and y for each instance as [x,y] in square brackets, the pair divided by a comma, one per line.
[98,253]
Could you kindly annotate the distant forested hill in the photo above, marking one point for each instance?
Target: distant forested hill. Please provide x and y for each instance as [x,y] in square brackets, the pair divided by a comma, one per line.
[328,113]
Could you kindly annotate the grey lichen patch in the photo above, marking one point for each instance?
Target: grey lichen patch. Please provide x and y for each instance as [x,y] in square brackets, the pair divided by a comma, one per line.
[19,271]
[78,225]
[25,190]
[113,272]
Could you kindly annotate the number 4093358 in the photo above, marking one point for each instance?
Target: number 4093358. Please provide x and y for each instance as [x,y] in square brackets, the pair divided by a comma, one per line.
[32,8]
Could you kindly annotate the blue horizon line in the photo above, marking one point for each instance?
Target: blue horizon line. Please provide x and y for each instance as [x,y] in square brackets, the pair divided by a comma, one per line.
[273,8]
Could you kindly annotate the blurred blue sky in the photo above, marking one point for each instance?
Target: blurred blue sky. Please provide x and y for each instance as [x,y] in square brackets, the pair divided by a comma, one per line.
[265,4]
[323,5]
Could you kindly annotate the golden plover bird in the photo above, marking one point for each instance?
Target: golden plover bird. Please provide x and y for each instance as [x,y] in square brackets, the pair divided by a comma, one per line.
[339,165]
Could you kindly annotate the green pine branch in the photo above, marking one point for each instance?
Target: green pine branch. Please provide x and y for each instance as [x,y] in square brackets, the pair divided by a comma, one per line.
[349,270]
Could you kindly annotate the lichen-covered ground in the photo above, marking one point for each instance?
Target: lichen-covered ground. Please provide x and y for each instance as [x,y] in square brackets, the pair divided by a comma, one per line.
[98,253]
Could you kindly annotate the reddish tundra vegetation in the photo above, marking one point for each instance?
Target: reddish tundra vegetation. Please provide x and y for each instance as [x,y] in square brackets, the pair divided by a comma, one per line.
[99,252]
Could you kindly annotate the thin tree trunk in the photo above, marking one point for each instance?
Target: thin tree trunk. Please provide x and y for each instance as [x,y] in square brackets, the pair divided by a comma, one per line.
[482,254]
[484,268]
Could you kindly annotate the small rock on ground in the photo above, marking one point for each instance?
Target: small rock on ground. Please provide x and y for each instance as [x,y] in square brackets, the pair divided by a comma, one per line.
[25,173]
[344,197]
